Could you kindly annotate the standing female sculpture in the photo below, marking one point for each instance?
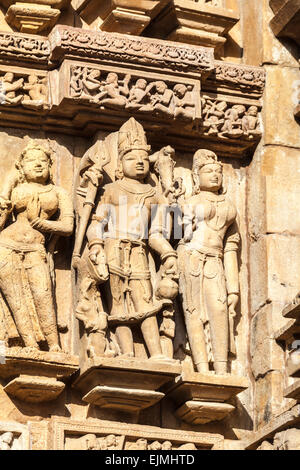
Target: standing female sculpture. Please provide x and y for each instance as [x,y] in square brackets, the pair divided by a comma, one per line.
[208,265]
[27,298]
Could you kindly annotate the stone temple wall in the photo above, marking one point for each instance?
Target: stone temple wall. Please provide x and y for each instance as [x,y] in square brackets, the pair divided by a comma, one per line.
[149,225]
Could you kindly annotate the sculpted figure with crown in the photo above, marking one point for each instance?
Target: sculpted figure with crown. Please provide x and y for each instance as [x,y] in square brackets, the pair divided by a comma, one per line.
[126,228]
[208,266]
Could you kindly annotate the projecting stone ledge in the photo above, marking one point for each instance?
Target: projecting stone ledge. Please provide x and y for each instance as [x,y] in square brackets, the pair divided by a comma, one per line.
[204,398]
[193,23]
[130,385]
[36,376]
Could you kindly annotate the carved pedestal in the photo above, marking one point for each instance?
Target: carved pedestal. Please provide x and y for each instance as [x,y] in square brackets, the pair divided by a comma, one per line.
[120,15]
[129,385]
[194,23]
[38,376]
[205,398]
[33,16]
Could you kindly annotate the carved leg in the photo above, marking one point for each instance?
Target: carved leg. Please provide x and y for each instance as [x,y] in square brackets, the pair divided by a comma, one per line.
[218,319]
[151,336]
[125,340]
[41,289]
[196,336]
[11,287]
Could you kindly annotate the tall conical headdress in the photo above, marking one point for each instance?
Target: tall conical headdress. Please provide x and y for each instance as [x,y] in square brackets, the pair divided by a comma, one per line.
[132,137]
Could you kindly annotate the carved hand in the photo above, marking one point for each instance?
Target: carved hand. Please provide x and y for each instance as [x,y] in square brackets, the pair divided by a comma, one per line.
[33,208]
[170,266]
[5,204]
[98,259]
[232,303]
[94,175]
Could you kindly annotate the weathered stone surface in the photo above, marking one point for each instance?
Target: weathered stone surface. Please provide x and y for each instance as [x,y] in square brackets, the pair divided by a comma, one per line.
[281,128]
[282,190]
[265,352]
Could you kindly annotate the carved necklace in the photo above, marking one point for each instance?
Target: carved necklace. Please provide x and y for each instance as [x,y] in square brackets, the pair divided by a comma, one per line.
[220,220]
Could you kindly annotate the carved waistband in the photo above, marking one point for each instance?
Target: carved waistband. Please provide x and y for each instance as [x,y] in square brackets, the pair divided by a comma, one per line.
[20,248]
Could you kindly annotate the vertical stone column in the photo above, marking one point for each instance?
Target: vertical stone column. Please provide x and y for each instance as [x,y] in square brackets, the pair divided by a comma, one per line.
[273,210]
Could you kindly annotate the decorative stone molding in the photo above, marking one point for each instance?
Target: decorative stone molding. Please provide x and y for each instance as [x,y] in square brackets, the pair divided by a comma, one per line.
[33,16]
[194,23]
[123,384]
[69,42]
[286,21]
[122,16]
[33,377]
[77,435]
[204,398]
[225,99]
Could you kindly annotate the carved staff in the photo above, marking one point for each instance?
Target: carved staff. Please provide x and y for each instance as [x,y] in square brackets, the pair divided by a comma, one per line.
[95,176]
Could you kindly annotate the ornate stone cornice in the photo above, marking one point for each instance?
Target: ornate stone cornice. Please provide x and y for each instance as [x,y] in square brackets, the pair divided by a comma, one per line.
[18,47]
[77,43]
[67,78]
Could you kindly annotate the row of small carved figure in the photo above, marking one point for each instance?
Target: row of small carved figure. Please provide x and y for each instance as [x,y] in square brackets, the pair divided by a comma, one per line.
[133,95]
[113,442]
[220,119]
[32,94]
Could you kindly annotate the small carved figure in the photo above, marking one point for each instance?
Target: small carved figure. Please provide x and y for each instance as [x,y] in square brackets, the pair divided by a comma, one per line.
[37,91]
[184,102]
[8,88]
[76,85]
[91,85]
[139,94]
[233,121]
[114,95]
[214,113]
[166,445]
[250,122]
[208,266]
[160,101]
[26,268]
[118,244]
[155,446]
[140,444]
[6,440]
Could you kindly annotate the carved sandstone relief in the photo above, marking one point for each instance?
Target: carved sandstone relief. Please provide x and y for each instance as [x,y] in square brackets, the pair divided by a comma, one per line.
[74,42]
[120,245]
[208,266]
[34,214]
[29,91]
[230,121]
[120,91]
[108,435]
[28,201]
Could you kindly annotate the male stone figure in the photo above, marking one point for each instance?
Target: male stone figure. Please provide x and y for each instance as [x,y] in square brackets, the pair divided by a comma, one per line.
[118,232]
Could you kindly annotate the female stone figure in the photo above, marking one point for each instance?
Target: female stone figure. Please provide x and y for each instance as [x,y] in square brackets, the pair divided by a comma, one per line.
[26,302]
[208,264]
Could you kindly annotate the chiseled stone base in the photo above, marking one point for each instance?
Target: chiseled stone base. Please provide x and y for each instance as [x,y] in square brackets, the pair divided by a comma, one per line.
[127,384]
[203,398]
